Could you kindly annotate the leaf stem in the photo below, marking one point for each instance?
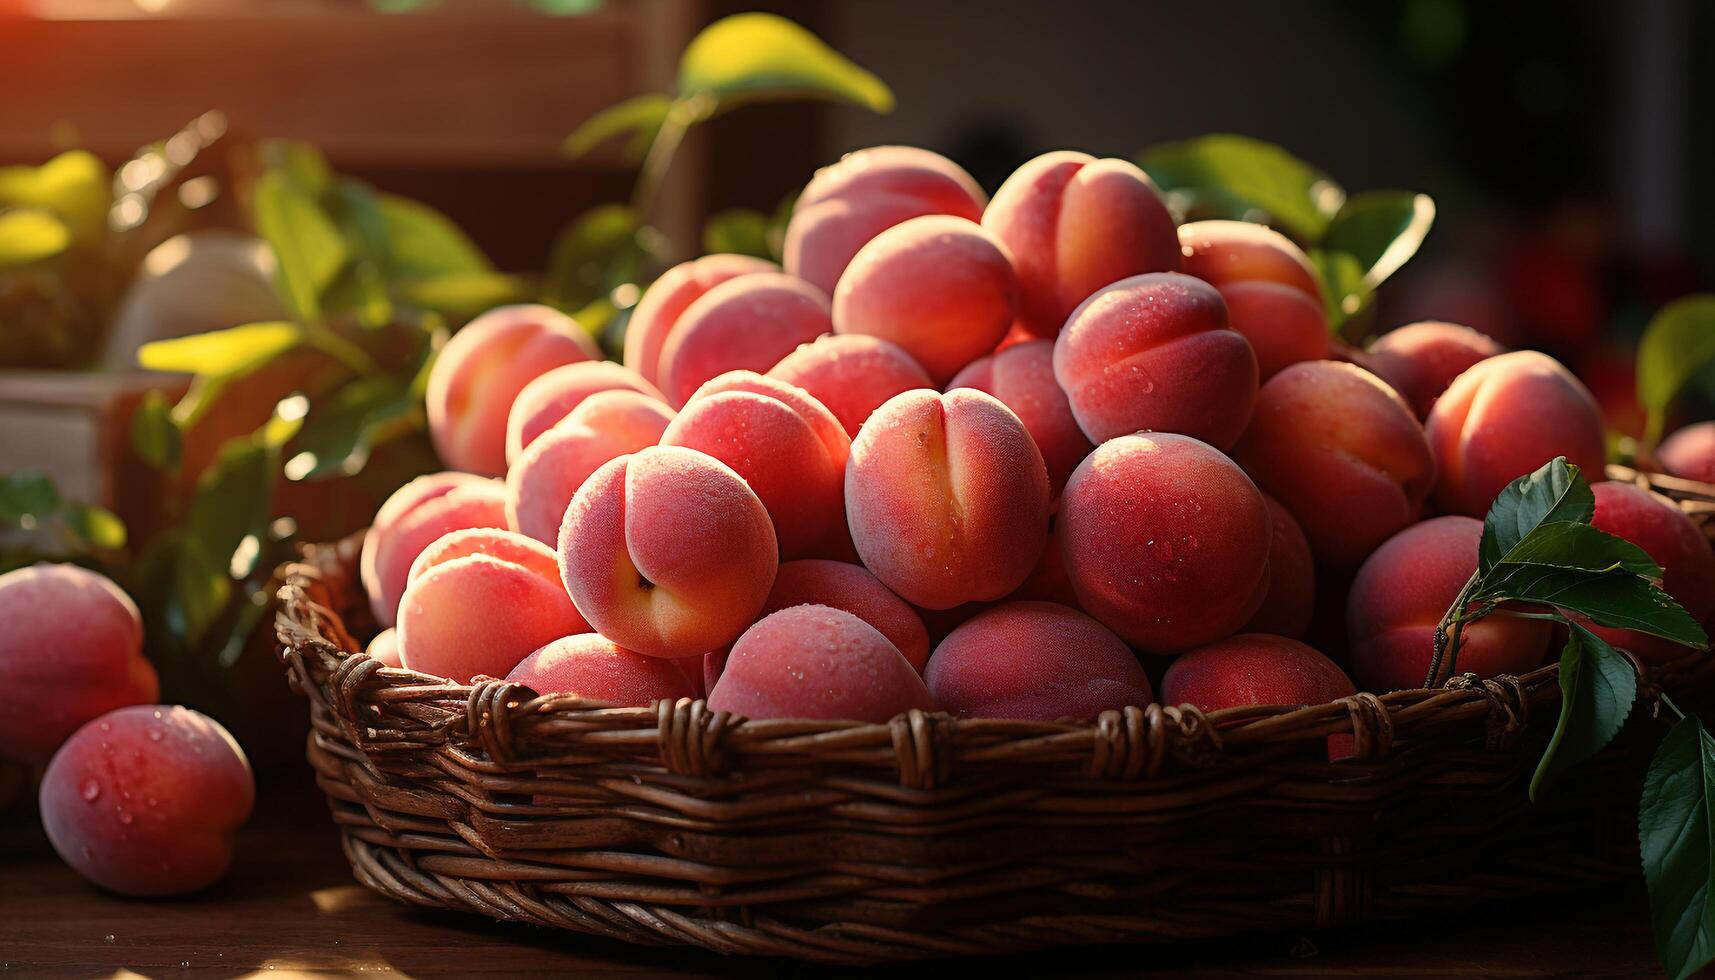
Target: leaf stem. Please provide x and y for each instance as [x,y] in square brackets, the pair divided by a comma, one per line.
[329,342]
[1456,618]
[681,116]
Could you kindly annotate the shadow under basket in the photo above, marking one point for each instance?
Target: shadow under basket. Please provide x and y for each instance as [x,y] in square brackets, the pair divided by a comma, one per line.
[934,836]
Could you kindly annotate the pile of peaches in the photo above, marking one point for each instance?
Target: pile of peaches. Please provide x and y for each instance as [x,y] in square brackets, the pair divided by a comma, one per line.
[988,457]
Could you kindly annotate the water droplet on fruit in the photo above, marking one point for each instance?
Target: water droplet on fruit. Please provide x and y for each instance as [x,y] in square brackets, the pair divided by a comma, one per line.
[106,726]
[157,715]
[155,733]
[125,817]
[151,801]
[90,791]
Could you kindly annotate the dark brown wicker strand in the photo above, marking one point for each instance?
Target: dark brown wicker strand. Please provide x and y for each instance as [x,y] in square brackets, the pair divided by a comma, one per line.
[933,836]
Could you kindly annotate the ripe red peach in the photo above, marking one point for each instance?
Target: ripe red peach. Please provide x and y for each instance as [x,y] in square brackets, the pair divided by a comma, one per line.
[544,477]
[71,648]
[410,520]
[553,396]
[1074,224]
[481,614]
[947,497]
[1670,538]
[1340,450]
[1401,593]
[1421,359]
[595,668]
[1034,661]
[1291,597]
[145,800]
[1022,377]
[497,543]
[940,287]
[817,662]
[842,585]
[784,443]
[864,194]
[1165,541]
[1689,453]
[852,374]
[668,552]
[1154,352]
[1505,417]
[1257,668]
[656,316]
[385,648]
[482,369]
[1272,292]
[745,324]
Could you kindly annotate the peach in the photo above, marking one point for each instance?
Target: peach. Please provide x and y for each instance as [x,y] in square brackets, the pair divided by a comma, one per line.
[595,668]
[1048,581]
[867,192]
[1074,224]
[1421,359]
[947,497]
[817,662]
[1034,661]
[71,648]
[851,374]
[1022,377]
[1272,291]
[656,316]
[497,543]
[841,585]
[544,477]
[745,324]
[410,520]
[1669,537]
[1291,597]
[145,800]
[784,443]
[480,614]
[1690,453]
[668,552]
[1505,417]
[1342,452]
[553,396]
[1256,669]
[385,648]
[940,287]
[1401,593]
[1154,352]
[1165,541]
[481,370]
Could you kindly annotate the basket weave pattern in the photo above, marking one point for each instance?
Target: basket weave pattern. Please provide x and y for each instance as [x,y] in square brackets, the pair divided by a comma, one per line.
[934,836]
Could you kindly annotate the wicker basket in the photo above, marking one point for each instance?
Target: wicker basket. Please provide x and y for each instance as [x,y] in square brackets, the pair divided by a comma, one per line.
[932,836]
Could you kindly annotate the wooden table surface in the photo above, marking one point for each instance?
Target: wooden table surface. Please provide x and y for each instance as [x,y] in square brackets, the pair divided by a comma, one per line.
[291,905]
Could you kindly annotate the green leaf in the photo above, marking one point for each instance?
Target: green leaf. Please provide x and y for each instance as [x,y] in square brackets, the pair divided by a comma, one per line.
[356,208]
[340,432]
[742,231]
[1554,493]
[309,249]
[1678,343]
[640,116]
[31,235]
[1597,688]
[96,525]
[462,295]
[425,243]
[27,498]
[1618,599]
[756,56]
[1381,229]
[601,248]
[154,435]
[1345,293]
[300,162]
[1297,197]
[222,353]
[201,589]
[1579,547]
[1677,840]
[75,186]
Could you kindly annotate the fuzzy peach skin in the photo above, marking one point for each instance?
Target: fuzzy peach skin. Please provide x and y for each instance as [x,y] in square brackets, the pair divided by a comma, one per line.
[1257,668]
[71,648]
[851,374]
[1670,538]
[817,662]
[497,543]
[480,615]
[940,287]
[1048,581]
[1155,353]
[842,585]
[1343,452]
[862,195]
[1074,224]
[481,370]
[1689,453]
[668,552]
[593,667]
[1034,661]
[1399,596]
[1421,359]
[1505,417]
[745,324]
[553,396]
[947,497]
[1165,541]
[657,314]
[1022,377]
[385,648]
[410,520]
[145,800]
[784,443]
[1286,609]
[542,480]
[1271,289]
